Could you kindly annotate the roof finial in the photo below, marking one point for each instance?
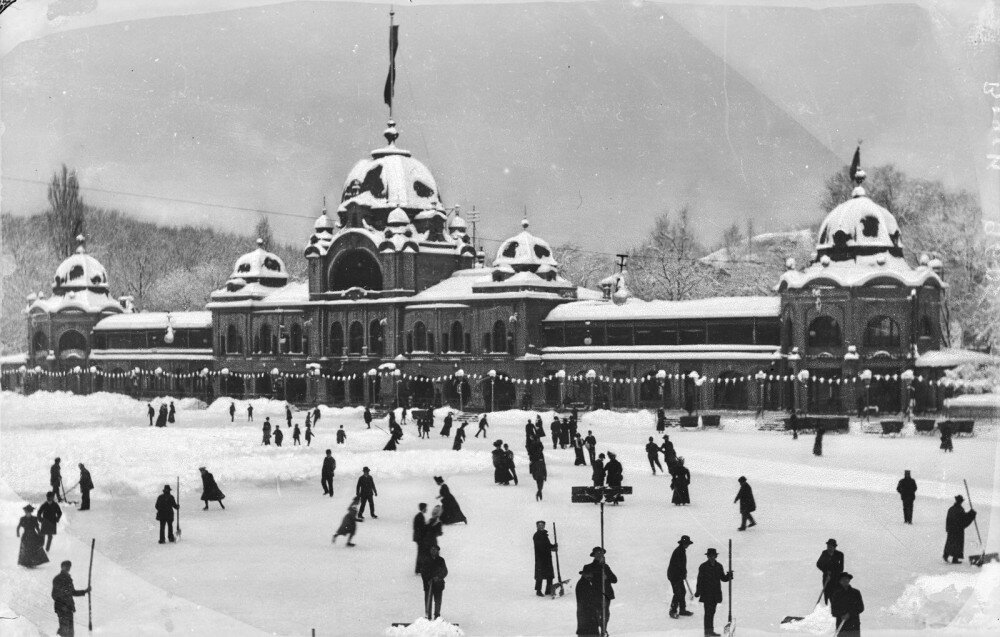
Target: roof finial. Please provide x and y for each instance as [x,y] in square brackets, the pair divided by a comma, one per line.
[80,241]
[524,220]
[260,243]
[324,204]
[390,133]
[856,173]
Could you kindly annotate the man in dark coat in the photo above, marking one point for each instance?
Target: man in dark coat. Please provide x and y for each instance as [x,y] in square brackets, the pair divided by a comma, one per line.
[555,430]
[278,436]
[266,441]
[818,442]
[509,455]
[368,417]
[315,415]
[613,472]
[483,424]
[588,605]
[603,573]
[747,504]
[907,489]
[296,435]
[653,454]
[831,563]
[210,489]
[55,479]
[165,505]
[537,468]
[433,572]
[846,607]
[591,443]
[288,415]
[366,491]
[86,486]
[676,575]
[419,524]
[446,428]
[598,474]
[63,592]
[669,454]
[232,412]
[249,413]
[709,588]
[49,515]
[341,435]
[543,559]
[150,412]
[955,524]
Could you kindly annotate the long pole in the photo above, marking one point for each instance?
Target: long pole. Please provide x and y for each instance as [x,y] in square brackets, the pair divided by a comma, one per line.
[969,496]
[555,536]
[90,571]
[178,506]
[392,66]
[730,618]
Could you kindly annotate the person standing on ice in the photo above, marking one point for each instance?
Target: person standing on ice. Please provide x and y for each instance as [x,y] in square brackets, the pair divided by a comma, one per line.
[150,412]
[315,415]
[86,486]
[165,506]
[501,473]
[433,572]
[451,512]
[368,416]
[846,607]
[613,471]
[210,490]
[538,471]
[603,575]
[831,564]
[172,413]
[341,435]
[63,592]
[907,489]
[956,522]
[793,424]
[708,590]
[459,438]
[309,435]
[653,455]
[483,424]
[669,454]
[446,427]
[419,524]
[578,446]
[326,473]
[555,429]
[677,573]
[366,493]
[747,504]
[543,559]
[349,524]
[598,474]
[32,552]
[49,515]
[249,413]
[267,432]
[55,478]
[278,436]
[296,435]
[946,434]
[510,462]
[161,417]
[591,442]
[818,443]
[232,411]
[588,606]
[679,483]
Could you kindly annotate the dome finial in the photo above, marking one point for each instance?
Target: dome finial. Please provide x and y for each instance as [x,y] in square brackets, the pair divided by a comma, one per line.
[856,173]
[81,240]
[524,219]
[324,204]
[390,133]
[260,243]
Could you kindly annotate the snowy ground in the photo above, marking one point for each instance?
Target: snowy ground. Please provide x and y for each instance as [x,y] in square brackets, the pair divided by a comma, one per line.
[265,565]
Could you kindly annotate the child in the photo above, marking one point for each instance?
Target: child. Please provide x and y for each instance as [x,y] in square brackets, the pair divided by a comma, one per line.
[349,525]
[296,435]
[341,435]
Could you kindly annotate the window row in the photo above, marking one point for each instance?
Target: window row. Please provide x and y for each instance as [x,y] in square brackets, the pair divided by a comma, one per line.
[183,339]
[731,333]
[294,340]
[881,331]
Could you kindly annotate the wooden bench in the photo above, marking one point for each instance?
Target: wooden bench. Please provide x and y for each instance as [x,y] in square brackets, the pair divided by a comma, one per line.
[711,420]
[892,427]
[961,427]
[924,425]
[688,422]
[841,424]
[772,426]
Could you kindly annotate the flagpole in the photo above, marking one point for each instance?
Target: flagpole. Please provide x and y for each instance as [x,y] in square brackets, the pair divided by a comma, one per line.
[392,64]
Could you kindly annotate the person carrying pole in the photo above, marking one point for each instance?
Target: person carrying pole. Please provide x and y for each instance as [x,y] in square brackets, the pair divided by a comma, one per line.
[63,592]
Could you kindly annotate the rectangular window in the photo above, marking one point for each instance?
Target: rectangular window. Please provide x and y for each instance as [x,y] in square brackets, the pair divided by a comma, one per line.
[692,336]
[731,333]
[619,335]
[655,335]
[578,335]
[553,336]
[768,332]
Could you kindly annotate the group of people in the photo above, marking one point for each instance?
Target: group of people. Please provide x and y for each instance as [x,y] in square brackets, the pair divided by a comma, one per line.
[36,531]
[273,432]
[165,414]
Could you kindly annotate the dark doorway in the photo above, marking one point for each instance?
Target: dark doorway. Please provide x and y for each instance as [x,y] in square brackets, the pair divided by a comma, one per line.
[356,269]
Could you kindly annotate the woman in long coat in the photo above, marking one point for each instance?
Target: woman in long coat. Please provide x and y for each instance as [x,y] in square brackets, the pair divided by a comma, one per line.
[818,444]
[210,489]
[501,472]
[446,429]
[161,418]
[680,482]
[31,554]
[459,438]
[451,513]
[172,413]
[349,524]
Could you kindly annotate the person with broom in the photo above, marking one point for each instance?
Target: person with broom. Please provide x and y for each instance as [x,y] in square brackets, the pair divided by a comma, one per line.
[677,575]
[543,559]
[709,588]
[846,606]
[957,520]
[433,572]
[831,563]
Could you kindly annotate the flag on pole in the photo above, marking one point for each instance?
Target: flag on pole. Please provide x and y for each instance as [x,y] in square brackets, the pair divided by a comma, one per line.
[855,163]
[390,79]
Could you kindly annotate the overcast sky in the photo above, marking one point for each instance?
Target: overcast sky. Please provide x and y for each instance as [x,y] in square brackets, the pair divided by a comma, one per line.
[593,116]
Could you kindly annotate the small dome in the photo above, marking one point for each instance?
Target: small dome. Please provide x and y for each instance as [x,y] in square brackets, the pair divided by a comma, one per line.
[323,223]
[80,271]
[525,252]
[859,224]
[398,218]
[260,266]
[457,223]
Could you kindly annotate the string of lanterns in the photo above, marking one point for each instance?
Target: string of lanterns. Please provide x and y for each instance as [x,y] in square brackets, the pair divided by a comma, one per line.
[803,377]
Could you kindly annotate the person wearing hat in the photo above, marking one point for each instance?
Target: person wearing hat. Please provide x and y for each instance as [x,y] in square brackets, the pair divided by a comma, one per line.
[49,515]
[669,454]
[543,559]
[366,492]
[326,473]
[588,605]
[32,553]
[846,606]
[603,573]
[419,524]
[348,524]
[451,512]
[747,504]
[210,490]
[597,467]
[907,489]
[676,574]
[433,572]
[653,455]
[956,522]
[86,486]
[63,592]
[165,505]
[613,470]
[679,483]
[709,588]
[831,563]
[55,479]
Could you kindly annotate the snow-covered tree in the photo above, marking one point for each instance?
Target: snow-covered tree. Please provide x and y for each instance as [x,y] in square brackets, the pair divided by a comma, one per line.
[64,218]
[668,266]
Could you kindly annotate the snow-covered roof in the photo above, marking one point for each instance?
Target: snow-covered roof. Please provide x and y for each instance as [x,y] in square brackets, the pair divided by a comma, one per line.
[257,294]
[156,321]
[462,285]
[953,357]
[526,279]
[86,301]
[80,271]
[392,178]
[260,265]
[859,272]
[525,251]
[636,309]
[974,400]
[14,359]
[859,221]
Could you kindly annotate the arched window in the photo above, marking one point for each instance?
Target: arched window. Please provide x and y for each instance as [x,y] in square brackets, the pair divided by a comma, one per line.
[336,339]
[499,337]
[927,327]
[356,269]
[296,338]
[457,337]
[265,339]
[882,331]
[376,338]
[40,342]
[824,332]
[72,340]
[786,333]
[419,337]
[234,342]
[357,338]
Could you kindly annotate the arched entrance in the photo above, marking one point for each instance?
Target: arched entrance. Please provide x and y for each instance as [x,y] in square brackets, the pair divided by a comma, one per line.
[824,391]
[458,392]
[72,342]
[730,391]
[356,268]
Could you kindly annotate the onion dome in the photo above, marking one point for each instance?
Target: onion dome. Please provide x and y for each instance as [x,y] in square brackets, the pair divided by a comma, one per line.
[80,271]
[525,252]
[323,222]
[260,266]
[458,224]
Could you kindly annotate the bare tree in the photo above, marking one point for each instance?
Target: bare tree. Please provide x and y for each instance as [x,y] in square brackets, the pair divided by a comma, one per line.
[667,265]
[582,267]
[64,218]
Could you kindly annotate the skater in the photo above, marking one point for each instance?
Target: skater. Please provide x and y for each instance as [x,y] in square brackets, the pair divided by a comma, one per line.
[49,515]
[564,434]
[349,524]
[232,412]
[540,473]
[308,418]
[278,436]
[63,592]
[249,413]
[676,575]
[55,479]
[315,415]
[793,424]
[150,412]
[669,454]
[210,491]
[709,588]
[165,506]
[831,563]
[907,489]
[653,455]
[661,420]
[296,436]
[86,486]
[267,432]
[555,429]
[846,607]
[591,442]
[433,572]
[818,443]
[578,445]
[613,472]
[395,435]
[543,559]
[161,417]
[459,438]
[451,512]
[482,427]
[368,417]
[326,474]
[419,525]
[366,493]
[679,483]
[32,552]
[309,435]
[510,463]
[598,474]
[603,572]
[446,428]
[946,434]
[403,415]
[955,524]
[747,504]
[501,473]
[588,605]
[172,413]
[288,415]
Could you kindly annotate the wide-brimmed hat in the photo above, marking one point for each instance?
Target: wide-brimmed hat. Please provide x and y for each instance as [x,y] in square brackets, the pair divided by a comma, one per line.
[597,551]
[29,508]
[166,487]
[959,498]
[847,575]
[438,479]
[831,541]
[685,540]
[712,553]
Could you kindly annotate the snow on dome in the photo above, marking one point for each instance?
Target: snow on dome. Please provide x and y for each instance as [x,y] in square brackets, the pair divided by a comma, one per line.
[398,217]
[323,223]
[457,223]
[525,251]
[859,222]
[80,271]
[260,265]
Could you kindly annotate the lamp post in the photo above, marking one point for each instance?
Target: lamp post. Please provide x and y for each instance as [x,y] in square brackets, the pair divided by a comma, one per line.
[661,377]
[907,377]
[168,337]
[803,377]
[459,379]
[591,376]
[696,380]
[760,376]
[866,376]
[561,377]
[493,375]
[395,375]
[372,373]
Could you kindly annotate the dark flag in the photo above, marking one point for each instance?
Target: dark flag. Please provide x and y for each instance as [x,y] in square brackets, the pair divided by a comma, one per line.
[390,79]
[855,163]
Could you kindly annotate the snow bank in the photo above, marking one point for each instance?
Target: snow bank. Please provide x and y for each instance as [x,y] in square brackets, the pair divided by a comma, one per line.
[818,622]
[271,407]
[962,599]
[424,627]
[48,406]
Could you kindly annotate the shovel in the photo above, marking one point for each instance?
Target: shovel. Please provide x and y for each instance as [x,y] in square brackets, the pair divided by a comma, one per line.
[789,618]
[984,557]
